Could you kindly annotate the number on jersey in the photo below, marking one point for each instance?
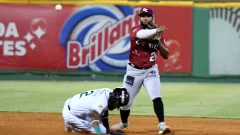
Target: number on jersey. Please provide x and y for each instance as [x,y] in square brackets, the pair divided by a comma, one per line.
[87,93]
[153,56]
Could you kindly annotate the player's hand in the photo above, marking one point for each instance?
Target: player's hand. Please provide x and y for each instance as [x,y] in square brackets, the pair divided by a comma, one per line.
[161,28]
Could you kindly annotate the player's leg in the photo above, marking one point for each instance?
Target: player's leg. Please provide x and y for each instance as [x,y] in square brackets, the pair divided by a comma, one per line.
[65,113]
[132,82]
[125,110]
[152,86]
[80,125]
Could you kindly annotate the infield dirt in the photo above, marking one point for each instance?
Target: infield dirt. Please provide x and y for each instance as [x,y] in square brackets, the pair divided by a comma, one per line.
[17,123]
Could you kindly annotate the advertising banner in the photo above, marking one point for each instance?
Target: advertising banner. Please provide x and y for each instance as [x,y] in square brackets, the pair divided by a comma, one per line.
[86,37]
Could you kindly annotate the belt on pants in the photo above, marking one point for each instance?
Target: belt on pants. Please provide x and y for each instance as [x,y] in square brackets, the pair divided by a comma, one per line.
[137,66]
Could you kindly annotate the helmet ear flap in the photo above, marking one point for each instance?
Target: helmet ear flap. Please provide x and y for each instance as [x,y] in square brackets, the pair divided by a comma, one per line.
[124,98]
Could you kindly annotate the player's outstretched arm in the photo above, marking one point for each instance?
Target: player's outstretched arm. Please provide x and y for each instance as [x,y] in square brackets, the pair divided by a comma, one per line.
[146,33]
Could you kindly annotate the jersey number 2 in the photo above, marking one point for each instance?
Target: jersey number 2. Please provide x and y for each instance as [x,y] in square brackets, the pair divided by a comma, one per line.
[153,56]
[86,93]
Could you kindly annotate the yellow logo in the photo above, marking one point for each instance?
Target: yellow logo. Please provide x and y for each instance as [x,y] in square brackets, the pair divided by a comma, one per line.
[100,106]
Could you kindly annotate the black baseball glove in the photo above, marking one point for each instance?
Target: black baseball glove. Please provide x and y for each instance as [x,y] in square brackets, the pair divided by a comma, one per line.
[154,26]
[151,44]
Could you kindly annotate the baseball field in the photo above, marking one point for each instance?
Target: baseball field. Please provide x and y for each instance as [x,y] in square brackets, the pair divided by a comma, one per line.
[34,108]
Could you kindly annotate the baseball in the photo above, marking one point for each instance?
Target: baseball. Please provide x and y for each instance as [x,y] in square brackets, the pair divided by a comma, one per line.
[58,7]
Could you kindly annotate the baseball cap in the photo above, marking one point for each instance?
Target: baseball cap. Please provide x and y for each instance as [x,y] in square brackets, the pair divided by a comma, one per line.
[146,11]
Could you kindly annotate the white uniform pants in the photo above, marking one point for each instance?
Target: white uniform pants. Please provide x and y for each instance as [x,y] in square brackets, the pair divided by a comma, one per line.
[135,78]
[76,124]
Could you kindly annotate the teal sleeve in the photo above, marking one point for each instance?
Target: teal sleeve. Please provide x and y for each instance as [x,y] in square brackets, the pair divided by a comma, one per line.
[97,129]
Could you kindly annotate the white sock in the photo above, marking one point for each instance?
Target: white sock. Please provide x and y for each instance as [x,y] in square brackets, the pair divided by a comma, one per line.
[162,123]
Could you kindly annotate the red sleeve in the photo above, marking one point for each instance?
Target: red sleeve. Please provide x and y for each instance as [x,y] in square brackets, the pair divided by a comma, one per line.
[163,39]
[134,31]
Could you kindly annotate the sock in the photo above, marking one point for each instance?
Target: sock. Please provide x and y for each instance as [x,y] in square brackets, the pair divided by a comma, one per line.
[159,109]
[124,115]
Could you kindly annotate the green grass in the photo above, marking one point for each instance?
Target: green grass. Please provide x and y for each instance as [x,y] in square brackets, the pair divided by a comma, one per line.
[180,99]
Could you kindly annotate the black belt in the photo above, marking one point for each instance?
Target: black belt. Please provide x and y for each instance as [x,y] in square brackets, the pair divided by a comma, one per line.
[137,66]
[69,108]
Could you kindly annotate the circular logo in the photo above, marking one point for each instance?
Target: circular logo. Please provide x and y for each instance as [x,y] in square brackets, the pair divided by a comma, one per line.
[102,32]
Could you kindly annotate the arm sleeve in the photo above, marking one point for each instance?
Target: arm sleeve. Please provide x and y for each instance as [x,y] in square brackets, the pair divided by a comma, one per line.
[134,31]
[146,33]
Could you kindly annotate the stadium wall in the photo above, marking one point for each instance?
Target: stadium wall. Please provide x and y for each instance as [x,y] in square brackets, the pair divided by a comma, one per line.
[199,47]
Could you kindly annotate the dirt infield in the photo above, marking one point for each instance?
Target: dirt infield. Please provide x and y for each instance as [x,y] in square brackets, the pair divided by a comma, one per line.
[52,124]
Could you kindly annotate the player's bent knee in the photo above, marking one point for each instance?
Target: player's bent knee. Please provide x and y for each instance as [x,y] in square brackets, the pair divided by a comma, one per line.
[103,129]
[128,106]
[158,100]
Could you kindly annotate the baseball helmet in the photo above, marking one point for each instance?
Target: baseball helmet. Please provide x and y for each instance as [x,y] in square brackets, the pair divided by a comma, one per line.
[119,97]
[145,10]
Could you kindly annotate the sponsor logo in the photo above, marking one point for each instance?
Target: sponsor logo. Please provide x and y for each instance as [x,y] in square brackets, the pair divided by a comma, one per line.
[16,44]
[100,106]
[97,37]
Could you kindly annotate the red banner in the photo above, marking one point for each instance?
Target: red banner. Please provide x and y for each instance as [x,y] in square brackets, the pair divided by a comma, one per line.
[178,20]
[37,37]
[29,37]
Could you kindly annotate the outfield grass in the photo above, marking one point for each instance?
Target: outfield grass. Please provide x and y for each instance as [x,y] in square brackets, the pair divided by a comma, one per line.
[180,99]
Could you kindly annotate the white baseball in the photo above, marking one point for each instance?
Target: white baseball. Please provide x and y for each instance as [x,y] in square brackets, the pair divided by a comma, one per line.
[58,7]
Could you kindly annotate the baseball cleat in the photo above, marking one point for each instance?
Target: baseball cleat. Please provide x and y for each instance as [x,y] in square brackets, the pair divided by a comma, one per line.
[163,129]
[119,126]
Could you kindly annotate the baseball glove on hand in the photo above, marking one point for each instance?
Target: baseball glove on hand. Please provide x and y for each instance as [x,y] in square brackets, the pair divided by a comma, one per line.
[157,35]
[154,44]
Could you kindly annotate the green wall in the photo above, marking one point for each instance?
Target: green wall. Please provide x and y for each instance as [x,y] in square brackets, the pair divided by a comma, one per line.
[200,57]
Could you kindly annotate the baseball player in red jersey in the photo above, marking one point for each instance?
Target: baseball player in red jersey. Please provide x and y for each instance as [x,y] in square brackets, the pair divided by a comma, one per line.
[146,39]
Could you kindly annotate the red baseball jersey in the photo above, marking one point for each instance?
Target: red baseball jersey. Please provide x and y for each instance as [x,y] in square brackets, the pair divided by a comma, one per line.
[140,56]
